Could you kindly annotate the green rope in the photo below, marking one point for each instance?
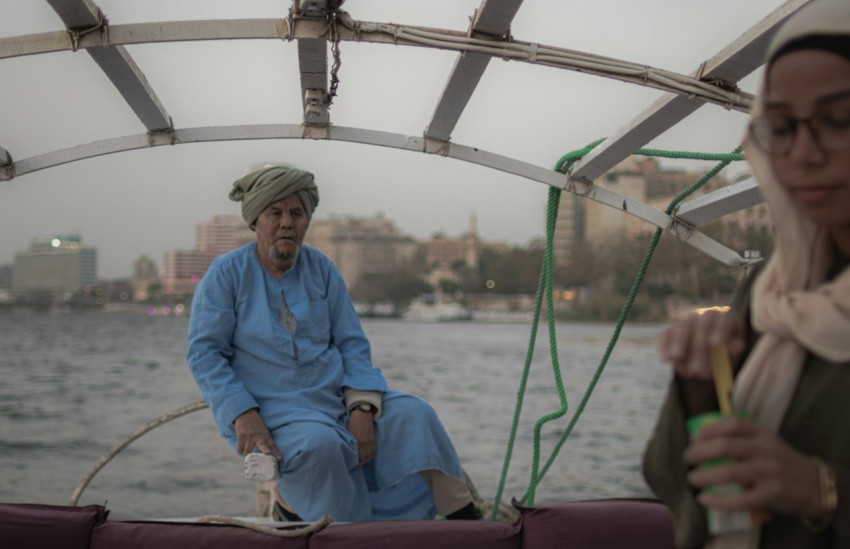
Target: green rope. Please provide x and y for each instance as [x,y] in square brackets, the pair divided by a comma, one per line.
[545,284]
[713,157]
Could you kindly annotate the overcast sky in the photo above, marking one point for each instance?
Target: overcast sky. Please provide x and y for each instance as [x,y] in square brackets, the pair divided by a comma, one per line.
[144,202]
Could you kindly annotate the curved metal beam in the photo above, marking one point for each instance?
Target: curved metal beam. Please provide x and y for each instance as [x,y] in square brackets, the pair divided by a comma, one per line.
[83,17]
[492,18]
[396,141]
[744,55]
[383,33]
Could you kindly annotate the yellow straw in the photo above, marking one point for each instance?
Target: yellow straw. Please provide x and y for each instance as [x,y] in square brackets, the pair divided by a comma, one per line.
[722,371]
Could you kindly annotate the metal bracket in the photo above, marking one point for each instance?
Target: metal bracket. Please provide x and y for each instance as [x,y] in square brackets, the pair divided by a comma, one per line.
[435,146]
[680,229]
[577,187]
[102,25]
[315,9]
[315,132]
[165,136]
[315,106]
[7,166]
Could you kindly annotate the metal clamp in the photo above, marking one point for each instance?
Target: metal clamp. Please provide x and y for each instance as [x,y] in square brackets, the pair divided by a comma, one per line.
[7,166]
[163,136]
[680,229]
[101,25]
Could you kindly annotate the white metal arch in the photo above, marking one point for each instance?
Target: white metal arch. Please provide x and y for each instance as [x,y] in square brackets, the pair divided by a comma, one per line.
[714,81]
[396,141]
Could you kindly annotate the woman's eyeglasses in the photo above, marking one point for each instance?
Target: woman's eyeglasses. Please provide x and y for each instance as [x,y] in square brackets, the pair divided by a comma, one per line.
[829,126]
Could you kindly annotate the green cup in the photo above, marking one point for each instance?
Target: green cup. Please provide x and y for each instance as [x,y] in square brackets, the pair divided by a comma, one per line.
[720,522]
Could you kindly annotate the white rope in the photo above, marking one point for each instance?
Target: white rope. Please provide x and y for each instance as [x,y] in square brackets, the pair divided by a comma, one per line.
[561,58]
[323,521]
[78,491]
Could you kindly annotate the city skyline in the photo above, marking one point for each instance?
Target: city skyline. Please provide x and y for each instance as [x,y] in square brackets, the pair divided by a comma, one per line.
[159,258]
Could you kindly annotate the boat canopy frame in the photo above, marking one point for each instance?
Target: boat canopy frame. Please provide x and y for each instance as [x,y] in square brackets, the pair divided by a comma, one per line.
[313,24]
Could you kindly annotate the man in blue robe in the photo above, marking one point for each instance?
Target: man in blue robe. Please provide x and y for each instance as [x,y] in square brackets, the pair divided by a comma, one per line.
[279,354]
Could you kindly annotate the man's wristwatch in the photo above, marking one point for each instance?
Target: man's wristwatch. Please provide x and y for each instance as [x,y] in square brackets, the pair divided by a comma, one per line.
[364,407]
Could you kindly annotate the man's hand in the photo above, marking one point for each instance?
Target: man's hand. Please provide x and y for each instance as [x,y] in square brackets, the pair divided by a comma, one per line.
[362,428]
[252,433]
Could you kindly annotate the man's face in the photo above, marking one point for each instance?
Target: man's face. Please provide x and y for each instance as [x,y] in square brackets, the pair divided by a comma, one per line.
[280,230]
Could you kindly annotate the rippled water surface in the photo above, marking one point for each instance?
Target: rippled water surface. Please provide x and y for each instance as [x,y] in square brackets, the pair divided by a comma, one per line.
[72,386]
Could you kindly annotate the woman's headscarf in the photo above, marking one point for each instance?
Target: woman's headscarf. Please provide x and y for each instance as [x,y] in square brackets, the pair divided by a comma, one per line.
[260,188]
[793,306]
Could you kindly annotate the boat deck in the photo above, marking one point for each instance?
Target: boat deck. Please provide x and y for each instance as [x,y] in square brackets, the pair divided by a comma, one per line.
[621,523]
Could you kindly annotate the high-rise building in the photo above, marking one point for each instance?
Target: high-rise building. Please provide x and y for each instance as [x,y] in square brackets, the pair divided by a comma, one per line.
[223,233]
[183,270]
[54,267]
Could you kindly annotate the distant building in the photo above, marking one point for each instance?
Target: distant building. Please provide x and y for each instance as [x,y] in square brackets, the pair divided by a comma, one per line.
[445,252]
[223,233]
[643,180]
[6,276]
[361,245]
[54,268]
[183,270]
[145,275]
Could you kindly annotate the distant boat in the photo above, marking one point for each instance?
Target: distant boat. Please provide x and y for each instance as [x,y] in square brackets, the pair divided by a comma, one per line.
[381,309]
[433,308]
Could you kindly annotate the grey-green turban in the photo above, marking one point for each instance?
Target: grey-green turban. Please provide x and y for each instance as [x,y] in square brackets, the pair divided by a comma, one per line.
[260,188]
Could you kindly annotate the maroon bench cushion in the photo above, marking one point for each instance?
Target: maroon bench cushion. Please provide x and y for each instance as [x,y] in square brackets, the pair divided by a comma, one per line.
[442,534]
[25,526]
[162,535]
[606,523]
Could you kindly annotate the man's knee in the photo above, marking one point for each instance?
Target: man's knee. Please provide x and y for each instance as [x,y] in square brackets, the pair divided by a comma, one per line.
[312,444]
[411,408]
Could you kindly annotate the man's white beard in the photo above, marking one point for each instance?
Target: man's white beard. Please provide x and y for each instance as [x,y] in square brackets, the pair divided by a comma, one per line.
[277,257]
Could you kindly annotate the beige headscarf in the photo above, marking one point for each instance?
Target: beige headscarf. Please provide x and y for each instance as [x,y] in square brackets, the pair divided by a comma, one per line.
[792,306]
[260,188]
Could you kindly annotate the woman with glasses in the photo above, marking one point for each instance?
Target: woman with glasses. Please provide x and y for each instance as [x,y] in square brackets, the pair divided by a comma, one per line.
[786,448]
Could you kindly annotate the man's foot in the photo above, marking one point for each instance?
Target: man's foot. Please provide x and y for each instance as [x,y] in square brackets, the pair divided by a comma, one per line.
[282,515]
[470,512]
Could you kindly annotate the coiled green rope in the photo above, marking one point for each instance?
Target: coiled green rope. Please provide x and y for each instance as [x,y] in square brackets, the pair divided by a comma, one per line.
[545,286]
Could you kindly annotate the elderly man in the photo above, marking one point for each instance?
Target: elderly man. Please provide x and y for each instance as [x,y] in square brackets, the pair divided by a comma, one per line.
[279,354]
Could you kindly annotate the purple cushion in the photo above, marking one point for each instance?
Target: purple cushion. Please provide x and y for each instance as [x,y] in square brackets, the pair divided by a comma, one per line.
[25,526]
[605,523]
[161,535]
[445,534]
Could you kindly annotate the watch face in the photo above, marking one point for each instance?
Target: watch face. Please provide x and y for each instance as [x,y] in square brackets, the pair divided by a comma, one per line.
[365,407]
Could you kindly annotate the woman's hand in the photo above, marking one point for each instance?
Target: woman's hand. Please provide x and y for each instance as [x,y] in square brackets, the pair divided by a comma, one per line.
[773,475]
[687,344]
[362,428]
[252,433]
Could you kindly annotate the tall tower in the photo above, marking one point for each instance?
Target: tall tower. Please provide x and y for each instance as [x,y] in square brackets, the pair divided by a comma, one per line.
[473,242]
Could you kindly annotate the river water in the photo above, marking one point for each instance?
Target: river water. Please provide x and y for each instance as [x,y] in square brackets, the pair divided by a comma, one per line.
[72,386]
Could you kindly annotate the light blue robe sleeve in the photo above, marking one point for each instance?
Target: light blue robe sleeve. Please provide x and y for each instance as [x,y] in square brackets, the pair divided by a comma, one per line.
[348,337]
[212,323]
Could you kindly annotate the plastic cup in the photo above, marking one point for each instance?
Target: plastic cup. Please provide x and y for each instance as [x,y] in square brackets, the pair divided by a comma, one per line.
[720,522]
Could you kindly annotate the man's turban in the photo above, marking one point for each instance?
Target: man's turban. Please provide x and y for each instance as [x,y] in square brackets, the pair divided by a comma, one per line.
[260,188]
